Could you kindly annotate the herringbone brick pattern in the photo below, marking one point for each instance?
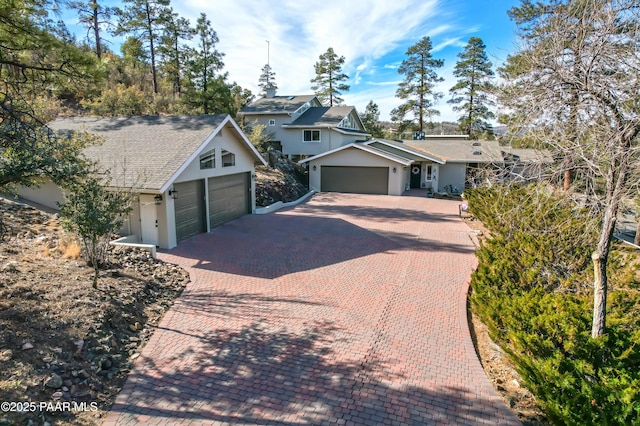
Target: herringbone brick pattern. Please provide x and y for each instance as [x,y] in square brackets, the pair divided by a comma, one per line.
[348,309]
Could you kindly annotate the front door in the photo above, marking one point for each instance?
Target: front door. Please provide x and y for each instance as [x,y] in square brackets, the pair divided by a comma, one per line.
[148,219]
[416,175]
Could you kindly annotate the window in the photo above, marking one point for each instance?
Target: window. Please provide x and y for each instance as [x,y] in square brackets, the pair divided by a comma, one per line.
[228,159]
[272,122]
[348,123]
[208,160]
[311,136]
[429,173]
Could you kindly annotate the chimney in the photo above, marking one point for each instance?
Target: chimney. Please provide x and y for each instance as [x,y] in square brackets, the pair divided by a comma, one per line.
[270,91]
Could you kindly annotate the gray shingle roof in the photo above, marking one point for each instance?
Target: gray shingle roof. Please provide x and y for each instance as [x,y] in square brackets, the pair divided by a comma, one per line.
[149,150]
[460,151]
[408,151]
[323,116]
[277,104]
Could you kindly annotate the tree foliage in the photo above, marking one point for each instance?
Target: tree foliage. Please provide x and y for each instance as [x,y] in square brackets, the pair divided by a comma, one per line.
[145,20]
[472,93]
[267,80]
[418,86]
[95,213]
[208,91]
[329,79]
[371,120]
[575,82]
[94,16]
[532,289]
[37,59]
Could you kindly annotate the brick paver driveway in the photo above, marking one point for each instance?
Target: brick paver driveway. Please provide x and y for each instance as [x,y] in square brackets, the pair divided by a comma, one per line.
[348,309]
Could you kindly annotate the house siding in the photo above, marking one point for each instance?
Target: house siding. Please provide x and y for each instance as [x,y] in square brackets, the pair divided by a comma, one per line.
[453,174]
[357,158]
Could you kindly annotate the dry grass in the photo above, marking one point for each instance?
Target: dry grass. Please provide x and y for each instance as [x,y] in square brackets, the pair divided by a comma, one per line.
[70,249]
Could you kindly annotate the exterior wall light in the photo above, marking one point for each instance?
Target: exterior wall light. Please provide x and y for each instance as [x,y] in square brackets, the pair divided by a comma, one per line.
[395,170]
[173,194]
[314,167]
[158,199]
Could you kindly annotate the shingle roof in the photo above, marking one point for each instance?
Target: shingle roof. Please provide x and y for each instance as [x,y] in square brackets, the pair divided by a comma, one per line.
[460,151]
[277,104]
[149,150]
[403,147]
[323,116]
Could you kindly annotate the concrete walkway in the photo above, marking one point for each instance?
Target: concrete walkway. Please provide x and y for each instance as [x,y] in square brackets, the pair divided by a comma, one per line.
[348,309]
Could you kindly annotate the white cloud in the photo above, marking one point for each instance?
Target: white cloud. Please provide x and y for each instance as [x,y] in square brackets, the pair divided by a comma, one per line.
[298,32]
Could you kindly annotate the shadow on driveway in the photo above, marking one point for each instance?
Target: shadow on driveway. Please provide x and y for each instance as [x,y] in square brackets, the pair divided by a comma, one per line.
[258,375]
[271,246]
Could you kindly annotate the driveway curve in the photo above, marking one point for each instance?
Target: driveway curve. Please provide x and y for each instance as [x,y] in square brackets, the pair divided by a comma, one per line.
[348,309]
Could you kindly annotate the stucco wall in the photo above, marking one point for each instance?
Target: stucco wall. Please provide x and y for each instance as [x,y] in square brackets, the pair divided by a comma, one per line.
[48,194]
[358,158]
[452,174]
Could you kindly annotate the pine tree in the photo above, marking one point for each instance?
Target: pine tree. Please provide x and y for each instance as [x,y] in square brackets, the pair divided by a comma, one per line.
[94,16]
[36,59]
[208,91]
[370,118]
[267,80]
[174,52]
[420,78]
[329,78]
[574,82]
[145,19]
[471,94]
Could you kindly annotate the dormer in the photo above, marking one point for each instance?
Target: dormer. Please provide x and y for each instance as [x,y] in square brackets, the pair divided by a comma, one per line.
[313,102]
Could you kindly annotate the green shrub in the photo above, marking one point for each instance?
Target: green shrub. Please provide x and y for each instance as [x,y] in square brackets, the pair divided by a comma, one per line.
[532,288]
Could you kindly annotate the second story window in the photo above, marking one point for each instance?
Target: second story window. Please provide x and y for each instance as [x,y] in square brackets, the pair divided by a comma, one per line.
[311,135]
[208,160]
[272,122]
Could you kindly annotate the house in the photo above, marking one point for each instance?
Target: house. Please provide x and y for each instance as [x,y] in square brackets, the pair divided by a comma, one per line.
[192,173]
[444,164]
[300,126]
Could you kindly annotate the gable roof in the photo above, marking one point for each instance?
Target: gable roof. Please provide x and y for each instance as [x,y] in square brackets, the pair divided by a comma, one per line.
[277,104]
[149,152]
[363,147]
[399,146]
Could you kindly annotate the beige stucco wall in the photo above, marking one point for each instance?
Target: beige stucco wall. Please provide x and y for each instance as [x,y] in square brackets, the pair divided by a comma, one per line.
[358,158]
[48,194]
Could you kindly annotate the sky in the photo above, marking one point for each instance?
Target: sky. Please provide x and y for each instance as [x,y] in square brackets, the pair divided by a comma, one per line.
[372,35]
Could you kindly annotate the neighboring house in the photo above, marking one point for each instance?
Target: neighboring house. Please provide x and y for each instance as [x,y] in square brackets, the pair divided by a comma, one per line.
[192,173]
[444,164]
[300,126]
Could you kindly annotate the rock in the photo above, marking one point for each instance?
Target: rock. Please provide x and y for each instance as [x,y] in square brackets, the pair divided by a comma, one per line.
[57,395]
[10,267]
[54,382]
[26,346]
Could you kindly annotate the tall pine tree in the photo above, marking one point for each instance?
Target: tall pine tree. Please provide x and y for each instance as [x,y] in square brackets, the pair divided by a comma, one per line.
[267,80]
[418,87]
[208,92]
[174,51]
[471,94]
[145,19]
[329,79]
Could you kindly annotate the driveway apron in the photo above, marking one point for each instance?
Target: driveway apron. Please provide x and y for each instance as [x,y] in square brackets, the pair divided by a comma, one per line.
[348,309]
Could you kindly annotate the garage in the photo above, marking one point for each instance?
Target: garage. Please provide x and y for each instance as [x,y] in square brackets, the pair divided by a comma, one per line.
[229,198]
[359,180]
[189,208]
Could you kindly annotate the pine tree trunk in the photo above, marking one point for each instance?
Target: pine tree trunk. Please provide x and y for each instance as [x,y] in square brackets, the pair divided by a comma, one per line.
[599,294]
[636,240]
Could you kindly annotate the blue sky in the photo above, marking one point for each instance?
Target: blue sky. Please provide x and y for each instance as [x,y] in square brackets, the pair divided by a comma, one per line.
[372,35]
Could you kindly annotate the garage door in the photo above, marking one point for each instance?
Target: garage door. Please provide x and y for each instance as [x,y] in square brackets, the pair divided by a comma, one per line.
[229,198]
[359,180]
[190,213]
